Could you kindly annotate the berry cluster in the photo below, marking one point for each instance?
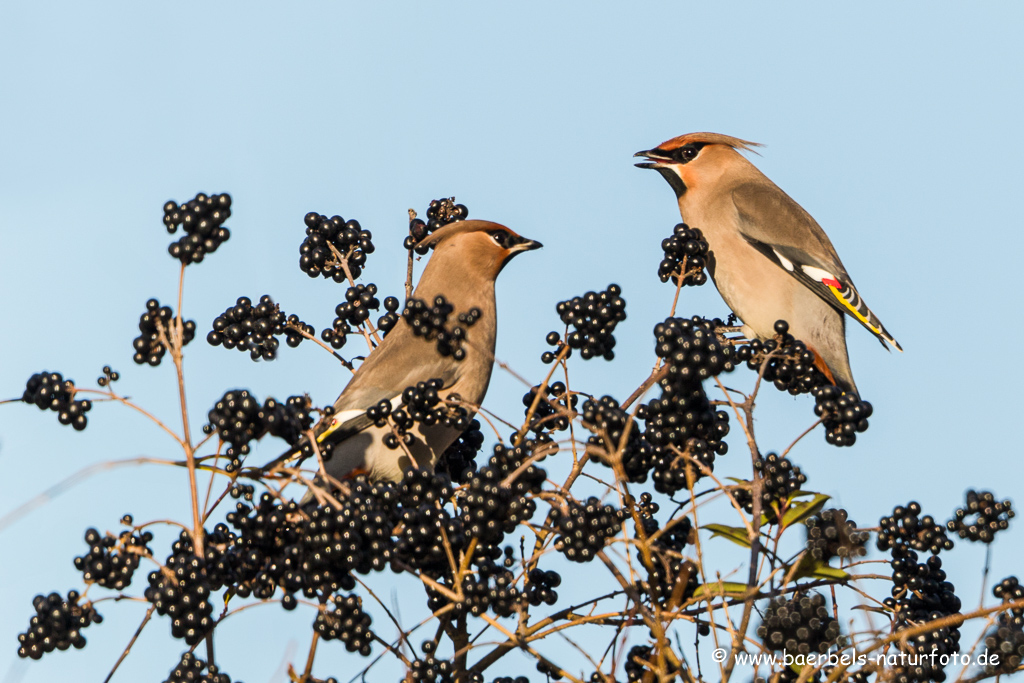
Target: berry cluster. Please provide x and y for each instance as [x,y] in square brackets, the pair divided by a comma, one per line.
[638,662]
[191,669]
[255,328]
[982,517]
[906,527]
[692,349]
[540,587]
[359,301]
[593,318]
[830,534]
[422,404]
[485,501]
[387,322]
[920,594]
[201,219]
[779,480]
[49,390]
[682,424]
[427,533]
[440,213]
[57,625]
[430,669]
[236,419]
[785,362]
[1006,639]
[609,423]
[109,375]
[149,348]
[550,671]
[346,622]
[331,245]
[288,421]
[111,561]
[353,312]
[553,339]
[585,528]
[337,334]
[800,624]
[426,525]
[686,257]
[181,590]
[489,510]
[246,491]
[553,411]
[671,578]
[843,415]
[314,551]
[431,323]
[458,461]
[646,508]
[491,588]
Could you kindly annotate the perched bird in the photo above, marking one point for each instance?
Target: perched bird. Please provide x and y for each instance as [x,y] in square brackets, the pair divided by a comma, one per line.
[770,260]
[467,258]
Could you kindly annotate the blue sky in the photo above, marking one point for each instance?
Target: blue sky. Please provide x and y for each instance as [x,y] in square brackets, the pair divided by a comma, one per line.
[896,126]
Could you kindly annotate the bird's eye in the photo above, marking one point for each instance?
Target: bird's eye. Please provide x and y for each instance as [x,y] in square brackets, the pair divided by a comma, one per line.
[686,153]
[499,237]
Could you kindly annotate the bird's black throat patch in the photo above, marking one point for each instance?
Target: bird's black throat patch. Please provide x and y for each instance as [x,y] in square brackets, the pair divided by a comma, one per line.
[673,179]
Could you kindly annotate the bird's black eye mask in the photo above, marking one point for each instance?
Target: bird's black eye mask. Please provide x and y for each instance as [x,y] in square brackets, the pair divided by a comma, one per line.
[506,239]
[686,153]
[677,157]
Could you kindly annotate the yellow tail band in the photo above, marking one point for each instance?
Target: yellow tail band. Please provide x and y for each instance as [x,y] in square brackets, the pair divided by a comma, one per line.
[853,311]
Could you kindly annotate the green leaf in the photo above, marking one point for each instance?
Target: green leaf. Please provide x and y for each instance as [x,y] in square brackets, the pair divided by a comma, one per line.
[737,535]
[798,512]
[826,572]
[726,588]
[810,568]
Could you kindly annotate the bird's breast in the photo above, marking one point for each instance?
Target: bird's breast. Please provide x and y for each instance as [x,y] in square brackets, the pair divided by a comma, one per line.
[756,290]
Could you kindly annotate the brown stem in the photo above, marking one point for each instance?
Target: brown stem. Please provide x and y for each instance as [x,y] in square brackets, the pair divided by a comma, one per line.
[656,376]
[352,282]
[541,392]
[173,341]
[128,648]
[309,658]
[312,338]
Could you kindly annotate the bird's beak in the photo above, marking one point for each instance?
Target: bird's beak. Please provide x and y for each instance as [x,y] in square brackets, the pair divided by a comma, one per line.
[657,159]
[525,245]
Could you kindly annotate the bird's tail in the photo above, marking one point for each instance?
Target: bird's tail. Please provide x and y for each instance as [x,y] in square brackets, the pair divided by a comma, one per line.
[850,299]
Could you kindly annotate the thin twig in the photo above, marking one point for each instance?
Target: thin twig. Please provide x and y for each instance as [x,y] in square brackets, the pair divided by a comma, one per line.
[128,648]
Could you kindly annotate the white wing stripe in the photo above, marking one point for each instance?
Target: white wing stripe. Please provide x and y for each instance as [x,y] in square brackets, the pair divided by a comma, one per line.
[817,273]
[786,263]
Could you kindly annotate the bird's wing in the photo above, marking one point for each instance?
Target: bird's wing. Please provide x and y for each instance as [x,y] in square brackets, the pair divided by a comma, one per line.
[402,360]
[779,228]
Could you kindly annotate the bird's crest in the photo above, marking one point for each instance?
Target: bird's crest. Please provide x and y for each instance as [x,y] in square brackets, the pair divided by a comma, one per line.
[460,227]
[709,139]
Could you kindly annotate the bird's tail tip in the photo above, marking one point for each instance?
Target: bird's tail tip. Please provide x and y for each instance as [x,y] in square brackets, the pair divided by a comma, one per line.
[886,337]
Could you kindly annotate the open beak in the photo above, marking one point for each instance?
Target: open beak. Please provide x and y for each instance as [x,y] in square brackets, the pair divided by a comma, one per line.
[656,159]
